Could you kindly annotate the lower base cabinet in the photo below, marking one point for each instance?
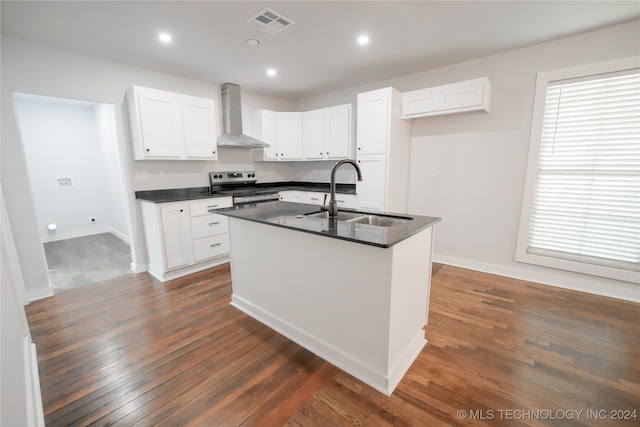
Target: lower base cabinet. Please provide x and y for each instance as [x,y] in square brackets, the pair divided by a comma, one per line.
[183,237]
[348,201]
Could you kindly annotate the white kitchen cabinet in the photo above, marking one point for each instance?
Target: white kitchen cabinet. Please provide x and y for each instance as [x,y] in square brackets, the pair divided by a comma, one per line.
[337,125]
[315,198]
[327,133]
[176,240]
[297,196]
[383,142]
[290,136]
[171,126]
[349,201]
[323,134]
[265,128]
[285,196]
[199,128]
[372,192]
[372,124]
[470,95]
[155,124]
[183,237]
[313,141]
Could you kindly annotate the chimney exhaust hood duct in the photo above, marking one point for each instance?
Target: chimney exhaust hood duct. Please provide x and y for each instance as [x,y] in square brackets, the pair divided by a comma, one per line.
[232,121]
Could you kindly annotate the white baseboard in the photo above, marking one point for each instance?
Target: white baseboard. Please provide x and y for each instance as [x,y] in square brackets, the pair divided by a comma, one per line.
[39,294]
[119,235]
[84,233]
[35,412]
[593,285]
[139,268]
[65,236]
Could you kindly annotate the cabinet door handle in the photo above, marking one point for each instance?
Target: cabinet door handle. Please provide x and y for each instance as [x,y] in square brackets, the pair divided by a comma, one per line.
[212,206]
[216,245]
[359,148]
[181,210]
[148,150]
[214,223]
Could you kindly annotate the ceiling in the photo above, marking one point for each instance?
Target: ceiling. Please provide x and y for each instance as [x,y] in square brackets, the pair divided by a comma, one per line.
[318,53]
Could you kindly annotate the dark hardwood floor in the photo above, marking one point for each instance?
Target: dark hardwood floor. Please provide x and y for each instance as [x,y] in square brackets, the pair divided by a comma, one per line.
[136,352]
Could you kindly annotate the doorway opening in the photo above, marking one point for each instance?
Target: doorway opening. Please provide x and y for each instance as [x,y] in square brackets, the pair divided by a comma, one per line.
[75,172]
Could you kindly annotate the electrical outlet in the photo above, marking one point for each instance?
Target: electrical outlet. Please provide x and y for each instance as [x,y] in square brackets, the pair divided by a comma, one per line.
[163,175]
[142,176]
[65,182]
[93,220]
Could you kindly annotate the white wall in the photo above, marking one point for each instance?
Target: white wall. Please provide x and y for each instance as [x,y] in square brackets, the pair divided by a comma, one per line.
[62,139]
[20,398]
[42,70]
[114,188]
[480,158]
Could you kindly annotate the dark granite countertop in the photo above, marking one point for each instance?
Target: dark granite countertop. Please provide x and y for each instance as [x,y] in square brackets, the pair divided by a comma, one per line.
[295,216]
[181,194]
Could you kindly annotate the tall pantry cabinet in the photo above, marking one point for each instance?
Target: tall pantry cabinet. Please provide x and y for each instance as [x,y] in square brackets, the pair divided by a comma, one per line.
[383,145]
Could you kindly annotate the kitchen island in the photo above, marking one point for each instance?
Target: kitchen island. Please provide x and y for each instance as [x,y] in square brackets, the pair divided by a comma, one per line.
[354,291]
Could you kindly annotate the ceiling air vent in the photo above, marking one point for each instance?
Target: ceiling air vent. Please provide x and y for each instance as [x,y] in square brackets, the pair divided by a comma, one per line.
[270,21]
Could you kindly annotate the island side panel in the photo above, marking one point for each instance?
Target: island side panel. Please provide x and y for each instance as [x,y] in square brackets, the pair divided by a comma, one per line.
[410,289]
[328,295]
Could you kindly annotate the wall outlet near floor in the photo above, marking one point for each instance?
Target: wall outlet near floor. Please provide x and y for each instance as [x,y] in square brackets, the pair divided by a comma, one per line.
[93,220]
[163,175]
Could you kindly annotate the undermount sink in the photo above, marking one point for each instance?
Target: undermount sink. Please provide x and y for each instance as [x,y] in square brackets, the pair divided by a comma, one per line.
[342,216]
[364,218]
[381,221]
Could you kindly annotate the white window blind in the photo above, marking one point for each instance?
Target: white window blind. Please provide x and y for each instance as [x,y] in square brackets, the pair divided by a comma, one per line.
[586,203]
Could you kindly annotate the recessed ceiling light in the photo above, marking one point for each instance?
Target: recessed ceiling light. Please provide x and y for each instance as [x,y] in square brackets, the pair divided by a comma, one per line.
[271,72]
[363,40]
[252,42]
[165,38]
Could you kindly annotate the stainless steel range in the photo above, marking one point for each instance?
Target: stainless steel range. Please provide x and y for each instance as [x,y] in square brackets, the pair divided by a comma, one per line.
[242,186]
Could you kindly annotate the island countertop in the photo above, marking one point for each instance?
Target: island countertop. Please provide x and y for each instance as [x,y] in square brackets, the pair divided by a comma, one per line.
[296,216]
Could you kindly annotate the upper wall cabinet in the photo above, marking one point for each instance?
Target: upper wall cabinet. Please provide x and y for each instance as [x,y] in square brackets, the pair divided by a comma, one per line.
[470,95]
[171,126]
[326,133]
[290,136]
[323,134]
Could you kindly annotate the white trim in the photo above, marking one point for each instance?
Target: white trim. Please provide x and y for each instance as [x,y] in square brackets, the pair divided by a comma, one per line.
[139,268]
[73,235]
[39,294]
[542,81]
[119,235]
[35,412]
[180,272]
[620,290]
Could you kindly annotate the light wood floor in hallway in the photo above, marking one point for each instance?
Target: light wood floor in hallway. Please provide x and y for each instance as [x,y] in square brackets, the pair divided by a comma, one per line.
[136,352]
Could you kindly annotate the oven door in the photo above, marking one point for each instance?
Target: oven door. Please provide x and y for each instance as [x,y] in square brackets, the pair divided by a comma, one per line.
[240,199]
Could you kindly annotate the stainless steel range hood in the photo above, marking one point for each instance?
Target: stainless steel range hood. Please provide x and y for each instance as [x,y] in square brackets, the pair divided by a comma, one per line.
[232,121]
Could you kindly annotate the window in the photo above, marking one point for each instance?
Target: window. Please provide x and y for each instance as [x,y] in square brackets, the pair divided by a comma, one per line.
[581,208]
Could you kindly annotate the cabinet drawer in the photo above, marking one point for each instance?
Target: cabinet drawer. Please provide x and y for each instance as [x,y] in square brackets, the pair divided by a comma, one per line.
[314,198]
[201,207]
[210,247]
[208,225]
